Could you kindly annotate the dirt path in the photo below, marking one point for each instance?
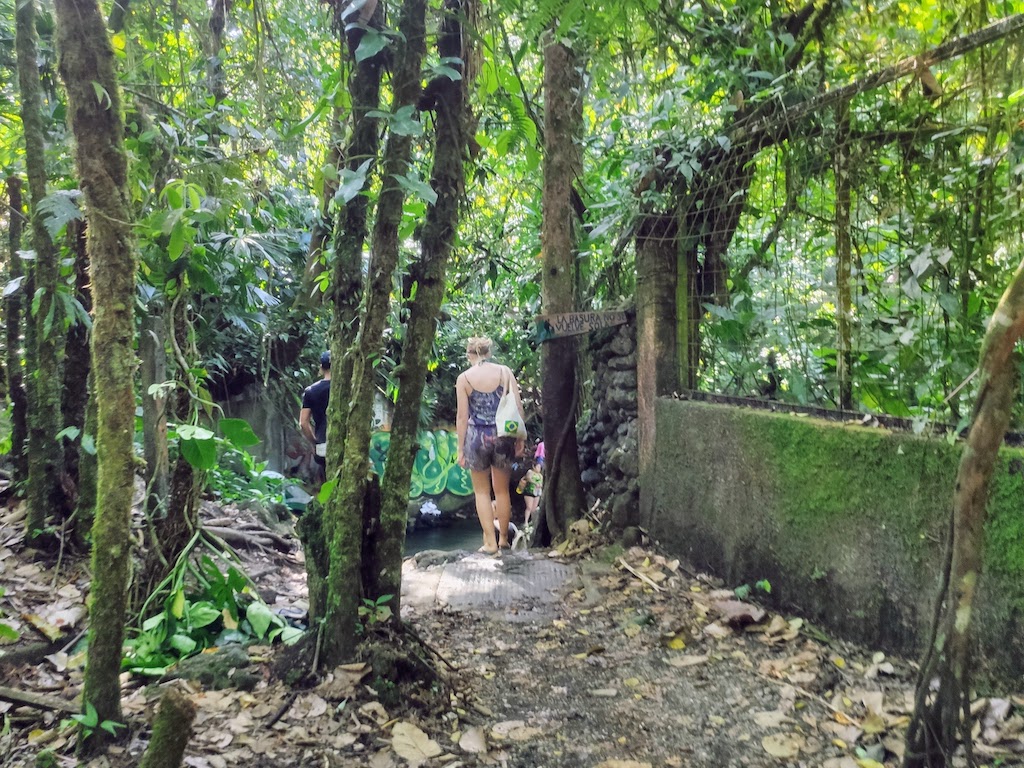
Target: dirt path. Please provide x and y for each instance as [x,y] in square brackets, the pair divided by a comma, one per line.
[637,663]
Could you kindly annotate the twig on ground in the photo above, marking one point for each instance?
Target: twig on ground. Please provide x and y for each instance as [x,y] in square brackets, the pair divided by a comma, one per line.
[645,579]
[289,700]
[250,538]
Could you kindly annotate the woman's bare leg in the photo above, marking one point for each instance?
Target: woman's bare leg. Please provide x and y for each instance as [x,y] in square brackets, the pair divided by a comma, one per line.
[531,507]
[502,503]
[484,510]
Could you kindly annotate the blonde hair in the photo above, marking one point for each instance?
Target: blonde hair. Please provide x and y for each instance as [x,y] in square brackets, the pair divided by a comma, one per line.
[480,346]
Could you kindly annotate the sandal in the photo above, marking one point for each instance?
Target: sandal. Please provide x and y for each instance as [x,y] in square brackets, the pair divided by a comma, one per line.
[486,551]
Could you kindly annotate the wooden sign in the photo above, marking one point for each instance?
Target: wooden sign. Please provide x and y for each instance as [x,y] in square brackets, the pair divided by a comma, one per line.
[576,323]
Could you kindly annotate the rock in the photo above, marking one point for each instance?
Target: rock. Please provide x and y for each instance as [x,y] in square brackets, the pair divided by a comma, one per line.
[227,667]
[631,536]
[624,363]
[590,476]
[622,345]
[625,380]
[623,511]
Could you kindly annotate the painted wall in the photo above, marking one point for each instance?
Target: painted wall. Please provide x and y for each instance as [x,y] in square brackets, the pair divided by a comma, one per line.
[846,522]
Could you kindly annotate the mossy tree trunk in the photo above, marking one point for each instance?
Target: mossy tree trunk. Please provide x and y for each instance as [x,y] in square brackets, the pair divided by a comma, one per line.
[656,337]
[45,456]
[87,68]
[352,491]
[563,490]
[429,272]
[77,363]
[343,526]
[13,322]
[942,716]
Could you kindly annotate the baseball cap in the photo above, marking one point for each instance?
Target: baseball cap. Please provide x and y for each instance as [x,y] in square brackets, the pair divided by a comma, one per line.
[325,359]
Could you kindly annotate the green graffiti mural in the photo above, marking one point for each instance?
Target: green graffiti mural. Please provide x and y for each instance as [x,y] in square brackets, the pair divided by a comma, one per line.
[435,470]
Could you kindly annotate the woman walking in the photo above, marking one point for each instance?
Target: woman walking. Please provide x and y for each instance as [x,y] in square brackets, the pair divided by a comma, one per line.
[488,457]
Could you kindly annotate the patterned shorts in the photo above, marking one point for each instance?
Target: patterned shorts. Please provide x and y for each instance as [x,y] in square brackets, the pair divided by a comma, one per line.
[484,449]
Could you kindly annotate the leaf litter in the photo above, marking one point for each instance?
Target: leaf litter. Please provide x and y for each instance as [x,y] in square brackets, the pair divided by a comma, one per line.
[647,664]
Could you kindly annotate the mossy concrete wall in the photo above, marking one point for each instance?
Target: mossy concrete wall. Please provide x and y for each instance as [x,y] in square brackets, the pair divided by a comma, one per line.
[846,522]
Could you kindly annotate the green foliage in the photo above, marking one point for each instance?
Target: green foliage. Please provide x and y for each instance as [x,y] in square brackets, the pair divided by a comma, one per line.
[376,611]
[220,607]
[7,632]
[89,721]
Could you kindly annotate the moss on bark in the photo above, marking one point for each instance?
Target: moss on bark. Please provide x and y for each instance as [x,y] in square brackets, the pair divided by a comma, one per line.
[447,180]
[87,68]
[13,322]
[45,456]
[343,524]
[355,492]
[563,490]
[172,729]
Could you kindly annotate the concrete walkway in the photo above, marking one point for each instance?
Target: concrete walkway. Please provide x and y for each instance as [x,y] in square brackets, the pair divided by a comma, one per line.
[521,586]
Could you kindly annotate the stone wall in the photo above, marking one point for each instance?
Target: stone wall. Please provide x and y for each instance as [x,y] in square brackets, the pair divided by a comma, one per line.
[608,437]
[847,523]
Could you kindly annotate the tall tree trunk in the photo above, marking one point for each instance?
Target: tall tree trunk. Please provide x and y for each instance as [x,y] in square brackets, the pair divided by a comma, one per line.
[844,302]
[87,67]
[343,527]
[656,372]
[942,716]
[563,83]
[382,553]
[76,368]
[154,410]
[45,457]
[447,180]
[87,460]
[13,318]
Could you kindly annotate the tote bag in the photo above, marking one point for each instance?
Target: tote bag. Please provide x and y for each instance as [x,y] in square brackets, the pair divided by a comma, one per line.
[507,419]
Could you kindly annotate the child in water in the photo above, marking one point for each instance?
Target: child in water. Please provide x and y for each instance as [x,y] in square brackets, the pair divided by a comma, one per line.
[531,487]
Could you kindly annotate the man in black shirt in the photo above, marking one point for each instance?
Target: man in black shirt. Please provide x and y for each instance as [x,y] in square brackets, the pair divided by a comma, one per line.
[314,407]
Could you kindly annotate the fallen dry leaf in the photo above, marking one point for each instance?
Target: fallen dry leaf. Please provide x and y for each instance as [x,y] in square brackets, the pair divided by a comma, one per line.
[771,719]
[783,745]
[474,741]
[412,744]
[622,764]
[738,614]
[685,661]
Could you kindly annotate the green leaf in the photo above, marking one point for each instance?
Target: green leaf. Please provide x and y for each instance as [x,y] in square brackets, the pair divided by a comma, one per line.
[7,632]
[326,490]
[403,122]
[291,635]
[71,433]
[260,618]
[89,444]
[418,188]
[193,432]
[202,614]
[60,208]
[352,182]
[373,42]
[183,644]
[201,454]
[238,432]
